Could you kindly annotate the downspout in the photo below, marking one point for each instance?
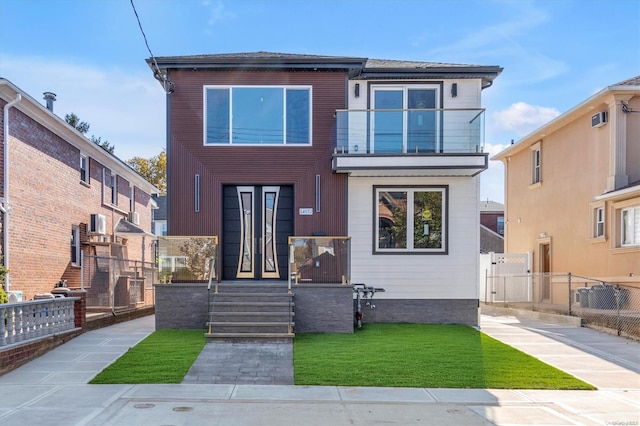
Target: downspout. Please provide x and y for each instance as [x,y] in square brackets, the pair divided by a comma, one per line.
[4,207]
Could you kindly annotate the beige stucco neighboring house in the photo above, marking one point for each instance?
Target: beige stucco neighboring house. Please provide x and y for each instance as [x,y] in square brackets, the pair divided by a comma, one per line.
[572,189]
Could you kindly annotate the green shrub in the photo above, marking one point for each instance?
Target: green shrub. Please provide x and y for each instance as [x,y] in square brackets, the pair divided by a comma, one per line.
[3,296]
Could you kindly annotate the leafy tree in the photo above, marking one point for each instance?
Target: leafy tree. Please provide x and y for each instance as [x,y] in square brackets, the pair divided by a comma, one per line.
[153,169]
[199,253]
[83,127]
[103,144]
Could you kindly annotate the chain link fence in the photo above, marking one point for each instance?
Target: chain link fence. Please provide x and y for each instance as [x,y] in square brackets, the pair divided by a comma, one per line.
[116,284]
[602,305]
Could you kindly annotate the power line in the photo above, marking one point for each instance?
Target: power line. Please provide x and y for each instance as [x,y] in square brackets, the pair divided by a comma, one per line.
[168,85]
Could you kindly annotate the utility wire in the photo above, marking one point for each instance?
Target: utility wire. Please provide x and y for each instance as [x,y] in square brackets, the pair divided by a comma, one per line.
[167,84]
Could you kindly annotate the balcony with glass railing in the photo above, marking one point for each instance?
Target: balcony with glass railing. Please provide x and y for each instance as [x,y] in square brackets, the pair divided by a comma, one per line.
[319,260]
[417,142]
[183,259]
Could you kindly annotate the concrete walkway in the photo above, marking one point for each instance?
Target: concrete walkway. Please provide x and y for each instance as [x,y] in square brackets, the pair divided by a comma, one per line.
[52,389]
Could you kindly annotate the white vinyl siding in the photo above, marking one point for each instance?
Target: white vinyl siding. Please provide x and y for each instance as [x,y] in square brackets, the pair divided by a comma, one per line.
[416,276]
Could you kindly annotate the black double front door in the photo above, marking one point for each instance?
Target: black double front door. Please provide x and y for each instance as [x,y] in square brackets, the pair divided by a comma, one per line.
[257,223]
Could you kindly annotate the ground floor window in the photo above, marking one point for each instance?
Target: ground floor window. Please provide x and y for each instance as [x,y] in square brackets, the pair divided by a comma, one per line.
[630,226]
[75,245]
[410,219]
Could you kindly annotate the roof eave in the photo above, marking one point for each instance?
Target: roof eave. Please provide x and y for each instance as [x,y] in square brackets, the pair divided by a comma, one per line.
[562,118]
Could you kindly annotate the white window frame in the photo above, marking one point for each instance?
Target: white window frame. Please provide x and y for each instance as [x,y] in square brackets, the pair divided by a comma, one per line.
[114,189]
[84,168]
[132,199]
[598,222]
[630,226]
[536,163]
[411,190]
[284,89]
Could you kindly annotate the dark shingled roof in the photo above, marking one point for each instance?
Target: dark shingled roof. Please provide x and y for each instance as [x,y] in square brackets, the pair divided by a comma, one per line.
[125,227]
[633,81]
[362,68]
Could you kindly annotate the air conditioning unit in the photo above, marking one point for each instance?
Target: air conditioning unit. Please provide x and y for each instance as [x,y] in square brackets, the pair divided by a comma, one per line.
[134,217]
[15,296]
[599,119]
[98,224]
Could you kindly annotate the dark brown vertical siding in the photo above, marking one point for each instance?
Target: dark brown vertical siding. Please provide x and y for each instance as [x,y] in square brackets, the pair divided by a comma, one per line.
[275,165]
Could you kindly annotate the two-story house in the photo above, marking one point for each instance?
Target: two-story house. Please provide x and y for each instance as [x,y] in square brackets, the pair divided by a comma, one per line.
[572,190]
[64,197]
[263,146]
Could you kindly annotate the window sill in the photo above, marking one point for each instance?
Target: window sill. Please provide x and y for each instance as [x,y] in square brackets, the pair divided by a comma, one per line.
[625,249]
[410,252]
[87,184]
[115,208]
[535,185]
[596,240]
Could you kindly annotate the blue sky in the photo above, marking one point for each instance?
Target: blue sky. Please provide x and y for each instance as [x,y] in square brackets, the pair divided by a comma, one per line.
[91,53]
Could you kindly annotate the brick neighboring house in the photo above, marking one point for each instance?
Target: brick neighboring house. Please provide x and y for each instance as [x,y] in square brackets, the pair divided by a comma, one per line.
[572,190]
[343,146]
[62,195]
[491,227]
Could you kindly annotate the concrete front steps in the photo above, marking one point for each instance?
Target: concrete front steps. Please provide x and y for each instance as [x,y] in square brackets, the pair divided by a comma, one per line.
[251,310]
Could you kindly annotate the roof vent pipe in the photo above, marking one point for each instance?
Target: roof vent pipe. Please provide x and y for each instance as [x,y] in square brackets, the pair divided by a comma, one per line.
[50,97]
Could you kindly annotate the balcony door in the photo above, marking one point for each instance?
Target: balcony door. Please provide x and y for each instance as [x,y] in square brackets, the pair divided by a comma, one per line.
[404,120]
[257,223]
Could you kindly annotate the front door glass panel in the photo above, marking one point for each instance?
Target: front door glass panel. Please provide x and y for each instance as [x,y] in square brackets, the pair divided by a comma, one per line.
[246,259]
[269,214]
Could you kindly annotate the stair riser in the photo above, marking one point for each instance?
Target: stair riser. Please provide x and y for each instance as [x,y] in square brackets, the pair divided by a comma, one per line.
[251,289]
[249,329]
[274,317]
[283,298]
[249,308]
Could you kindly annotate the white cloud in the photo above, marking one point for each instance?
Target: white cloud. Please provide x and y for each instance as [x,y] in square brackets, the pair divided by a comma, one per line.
[521,118]
[125,108]
[217,12]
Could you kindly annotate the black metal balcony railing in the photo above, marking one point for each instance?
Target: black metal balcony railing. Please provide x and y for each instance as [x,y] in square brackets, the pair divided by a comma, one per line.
[409,131]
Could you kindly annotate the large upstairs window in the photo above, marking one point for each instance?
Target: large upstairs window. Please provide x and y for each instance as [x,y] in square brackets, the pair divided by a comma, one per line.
[257,115]
[406,119]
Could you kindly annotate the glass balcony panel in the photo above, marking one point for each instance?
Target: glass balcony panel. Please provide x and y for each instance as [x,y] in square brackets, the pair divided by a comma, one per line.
[410,131]
[319,260]
[186,259]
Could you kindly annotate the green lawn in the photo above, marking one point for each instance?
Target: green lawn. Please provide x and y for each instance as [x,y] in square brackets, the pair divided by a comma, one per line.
[389,355]
[165,356]
[418,355]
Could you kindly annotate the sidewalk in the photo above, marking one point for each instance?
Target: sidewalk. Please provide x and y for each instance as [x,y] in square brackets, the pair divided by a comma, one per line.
[52,389]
